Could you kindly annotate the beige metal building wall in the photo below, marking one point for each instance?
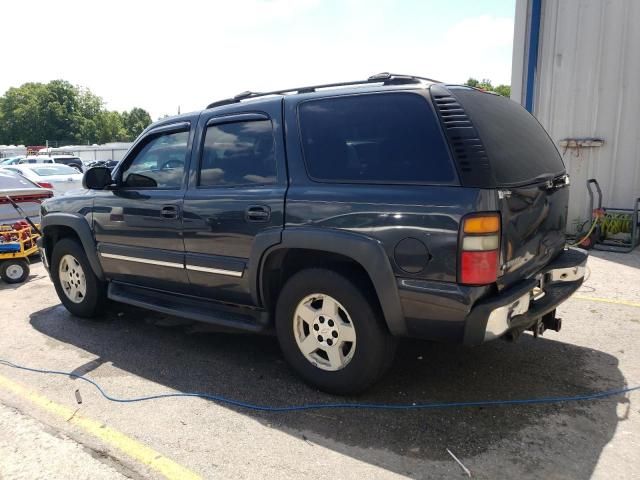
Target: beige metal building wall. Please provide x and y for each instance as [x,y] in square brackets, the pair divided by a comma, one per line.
[586,84]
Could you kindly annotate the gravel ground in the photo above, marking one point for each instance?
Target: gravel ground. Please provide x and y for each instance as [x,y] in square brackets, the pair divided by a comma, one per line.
[131,352]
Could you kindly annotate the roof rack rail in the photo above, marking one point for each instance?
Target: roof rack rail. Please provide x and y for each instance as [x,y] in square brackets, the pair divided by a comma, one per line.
[385,78]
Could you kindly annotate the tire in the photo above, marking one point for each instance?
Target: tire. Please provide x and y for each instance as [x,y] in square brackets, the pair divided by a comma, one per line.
[15,270]
[79,290]
[303,322]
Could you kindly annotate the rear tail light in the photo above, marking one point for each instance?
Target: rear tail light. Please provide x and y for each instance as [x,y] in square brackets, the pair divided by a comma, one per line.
[37,197]
[45,184]
[479,249]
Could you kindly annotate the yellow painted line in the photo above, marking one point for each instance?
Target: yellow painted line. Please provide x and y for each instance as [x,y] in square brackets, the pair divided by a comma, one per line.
[125,444]
[607,300]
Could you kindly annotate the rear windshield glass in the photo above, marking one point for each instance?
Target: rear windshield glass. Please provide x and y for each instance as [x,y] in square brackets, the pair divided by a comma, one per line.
[54,170]
[519,149]
[376,138]
[9,181]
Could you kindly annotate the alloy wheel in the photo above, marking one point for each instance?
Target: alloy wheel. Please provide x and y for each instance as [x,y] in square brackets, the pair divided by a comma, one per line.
[324,332]
[72,278]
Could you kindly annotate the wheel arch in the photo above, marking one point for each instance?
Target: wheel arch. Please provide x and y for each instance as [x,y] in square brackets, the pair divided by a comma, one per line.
[331,249]
[55,226]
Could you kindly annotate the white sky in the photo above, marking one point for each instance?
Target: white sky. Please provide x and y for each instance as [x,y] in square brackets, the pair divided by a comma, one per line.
[159,55]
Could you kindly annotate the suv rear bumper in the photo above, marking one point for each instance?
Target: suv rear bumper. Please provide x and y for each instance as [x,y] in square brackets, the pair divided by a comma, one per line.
[472,315]
[518,308]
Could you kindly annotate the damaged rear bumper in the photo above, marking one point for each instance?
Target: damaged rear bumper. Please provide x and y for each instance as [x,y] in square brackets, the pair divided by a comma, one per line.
[525,305]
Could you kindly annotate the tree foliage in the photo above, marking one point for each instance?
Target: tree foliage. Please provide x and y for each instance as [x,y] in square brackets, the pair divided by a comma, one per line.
[59,111]
[485,84]
[136,120]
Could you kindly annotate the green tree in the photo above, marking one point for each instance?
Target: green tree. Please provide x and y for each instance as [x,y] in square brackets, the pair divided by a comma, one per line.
[485,84]
[36,112]
[58,109]
[110,128]
[504,90]
[87,121]
[21,115]
[135,121]
[472,82]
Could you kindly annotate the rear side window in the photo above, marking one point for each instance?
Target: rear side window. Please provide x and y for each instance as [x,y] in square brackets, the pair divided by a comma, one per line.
[239,153]
[518,148]
[378,138]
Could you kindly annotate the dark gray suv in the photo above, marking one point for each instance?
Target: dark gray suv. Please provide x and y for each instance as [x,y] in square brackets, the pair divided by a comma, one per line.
[339,216]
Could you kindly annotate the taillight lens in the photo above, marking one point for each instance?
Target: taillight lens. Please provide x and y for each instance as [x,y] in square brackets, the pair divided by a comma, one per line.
[45,184]
[479,249]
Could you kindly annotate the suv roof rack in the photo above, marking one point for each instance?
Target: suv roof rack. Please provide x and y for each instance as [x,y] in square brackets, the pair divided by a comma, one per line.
[385,78]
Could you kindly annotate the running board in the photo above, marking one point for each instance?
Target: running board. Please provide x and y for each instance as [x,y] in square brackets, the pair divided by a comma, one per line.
[193,308]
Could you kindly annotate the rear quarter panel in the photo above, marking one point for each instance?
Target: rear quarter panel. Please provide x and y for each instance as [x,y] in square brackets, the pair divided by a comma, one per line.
[390,214]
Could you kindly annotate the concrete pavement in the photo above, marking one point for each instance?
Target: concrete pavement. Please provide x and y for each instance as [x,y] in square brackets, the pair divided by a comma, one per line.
[131,352]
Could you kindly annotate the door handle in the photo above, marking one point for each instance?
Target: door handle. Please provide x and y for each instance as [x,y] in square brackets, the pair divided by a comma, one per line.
[257,213]
[169,211]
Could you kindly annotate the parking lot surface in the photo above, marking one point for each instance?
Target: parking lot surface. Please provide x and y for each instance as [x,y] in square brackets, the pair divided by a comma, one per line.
[132,353]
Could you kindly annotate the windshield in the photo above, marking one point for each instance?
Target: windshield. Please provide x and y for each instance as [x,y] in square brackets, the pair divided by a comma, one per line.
[48,170]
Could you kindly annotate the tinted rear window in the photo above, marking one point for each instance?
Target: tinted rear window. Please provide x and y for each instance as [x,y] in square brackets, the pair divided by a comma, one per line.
[519,149]
[240,153]
[378,138]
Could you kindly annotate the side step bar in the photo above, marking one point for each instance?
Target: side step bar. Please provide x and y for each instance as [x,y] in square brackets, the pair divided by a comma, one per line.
[193,308]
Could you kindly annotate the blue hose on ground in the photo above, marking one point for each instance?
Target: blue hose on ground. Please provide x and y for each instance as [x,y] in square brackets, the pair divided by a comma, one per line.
[323,406]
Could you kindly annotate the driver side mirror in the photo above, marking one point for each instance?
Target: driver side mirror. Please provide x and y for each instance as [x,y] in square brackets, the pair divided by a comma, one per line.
[97,178]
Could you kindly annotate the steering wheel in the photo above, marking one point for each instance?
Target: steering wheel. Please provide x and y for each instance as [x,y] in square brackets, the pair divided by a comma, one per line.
[173,163]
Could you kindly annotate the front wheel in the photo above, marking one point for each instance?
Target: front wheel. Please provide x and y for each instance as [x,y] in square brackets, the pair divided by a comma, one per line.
[78,288]
[332,335]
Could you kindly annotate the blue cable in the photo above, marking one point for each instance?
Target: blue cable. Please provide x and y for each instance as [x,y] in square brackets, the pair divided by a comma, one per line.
[324,406]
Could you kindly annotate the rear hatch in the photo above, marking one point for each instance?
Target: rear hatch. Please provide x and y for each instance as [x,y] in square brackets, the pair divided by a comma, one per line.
[503,147]
[533,227]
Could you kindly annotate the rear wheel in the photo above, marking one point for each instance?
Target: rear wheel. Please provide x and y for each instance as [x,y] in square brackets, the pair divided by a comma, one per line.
[79,290]
[14,270]
[331,334]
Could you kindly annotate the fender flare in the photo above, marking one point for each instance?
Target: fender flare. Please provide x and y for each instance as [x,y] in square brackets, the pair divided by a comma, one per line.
[366,251]
[81,227]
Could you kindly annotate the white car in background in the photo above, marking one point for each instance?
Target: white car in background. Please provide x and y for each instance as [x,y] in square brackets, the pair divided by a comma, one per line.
[70,160]
[59,178]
